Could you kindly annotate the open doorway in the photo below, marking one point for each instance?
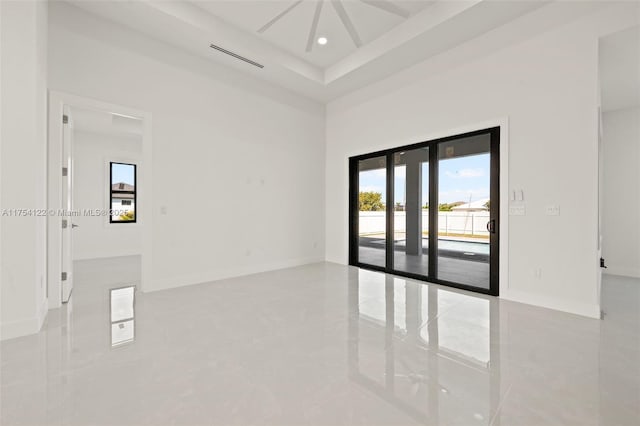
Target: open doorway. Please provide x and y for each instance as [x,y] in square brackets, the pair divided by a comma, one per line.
[106,158]
[619,203]
[101,199]
[620,152]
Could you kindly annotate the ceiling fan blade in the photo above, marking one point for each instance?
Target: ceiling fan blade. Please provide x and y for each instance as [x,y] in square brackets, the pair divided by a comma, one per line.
[387,6]
[346,21]
[266,26]
[314,26]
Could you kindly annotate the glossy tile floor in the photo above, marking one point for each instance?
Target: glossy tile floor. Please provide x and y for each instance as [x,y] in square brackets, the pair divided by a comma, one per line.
[322,344]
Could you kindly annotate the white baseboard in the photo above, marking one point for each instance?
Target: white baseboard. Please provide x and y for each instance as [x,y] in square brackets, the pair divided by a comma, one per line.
[591,311]
[13,329]
[43,310]
[124,253]
[216,275]
[586,310]
[622,271]
[339,261]
[26,326]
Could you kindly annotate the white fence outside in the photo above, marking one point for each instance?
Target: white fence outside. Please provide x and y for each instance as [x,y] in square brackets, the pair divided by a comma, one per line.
[464,223]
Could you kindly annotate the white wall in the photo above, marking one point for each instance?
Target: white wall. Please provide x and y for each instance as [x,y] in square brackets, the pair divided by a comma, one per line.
[245,156]
[23,51]
[621,191]
[95,237]
[542,77]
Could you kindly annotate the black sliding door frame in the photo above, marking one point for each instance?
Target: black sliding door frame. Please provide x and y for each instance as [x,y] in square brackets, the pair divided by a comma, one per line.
[433,218]
[390,217]
[494,211]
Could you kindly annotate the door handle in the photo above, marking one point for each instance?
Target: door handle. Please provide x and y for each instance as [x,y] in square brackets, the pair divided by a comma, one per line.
[73,225]
[491,226]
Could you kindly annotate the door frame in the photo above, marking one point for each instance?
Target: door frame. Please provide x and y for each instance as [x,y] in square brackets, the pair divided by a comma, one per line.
[57,102]
[66,241]
[499,240]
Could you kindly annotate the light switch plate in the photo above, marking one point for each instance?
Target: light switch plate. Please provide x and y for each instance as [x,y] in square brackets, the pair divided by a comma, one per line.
[517,210]
[552,210]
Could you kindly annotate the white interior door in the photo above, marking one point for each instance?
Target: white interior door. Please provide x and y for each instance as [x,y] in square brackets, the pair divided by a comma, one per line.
[67,204]
[600,206]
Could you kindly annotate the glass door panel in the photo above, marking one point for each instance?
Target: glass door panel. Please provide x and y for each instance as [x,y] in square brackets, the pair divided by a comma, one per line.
[464,192]
[372,193]
[411,217]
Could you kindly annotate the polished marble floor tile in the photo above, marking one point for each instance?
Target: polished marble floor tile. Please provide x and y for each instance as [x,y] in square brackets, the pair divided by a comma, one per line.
[321,344]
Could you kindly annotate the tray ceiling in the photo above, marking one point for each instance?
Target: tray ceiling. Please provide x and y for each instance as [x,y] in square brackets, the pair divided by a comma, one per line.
[295,25]
[276,40]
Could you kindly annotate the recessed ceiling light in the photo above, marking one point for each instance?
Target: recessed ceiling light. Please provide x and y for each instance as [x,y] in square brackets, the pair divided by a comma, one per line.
[322,41]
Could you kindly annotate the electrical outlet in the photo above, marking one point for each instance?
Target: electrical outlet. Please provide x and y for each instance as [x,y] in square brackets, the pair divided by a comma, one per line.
[517,210]
[552,210]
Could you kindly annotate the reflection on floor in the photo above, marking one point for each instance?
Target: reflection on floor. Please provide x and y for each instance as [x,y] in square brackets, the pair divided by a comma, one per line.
[456,270]
[325,344]
[122,315]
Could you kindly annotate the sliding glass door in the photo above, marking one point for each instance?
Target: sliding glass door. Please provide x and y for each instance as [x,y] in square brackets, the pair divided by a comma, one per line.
[429,211]
[464,202]
[372,222]
[410,216]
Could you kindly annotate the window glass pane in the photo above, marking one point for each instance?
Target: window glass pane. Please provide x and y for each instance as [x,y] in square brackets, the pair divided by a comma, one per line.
[123,192]
[411,217]
[464,173]
[372,224]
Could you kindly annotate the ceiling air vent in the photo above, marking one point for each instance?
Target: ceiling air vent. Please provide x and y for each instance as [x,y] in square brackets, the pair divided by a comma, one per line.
[235,55]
